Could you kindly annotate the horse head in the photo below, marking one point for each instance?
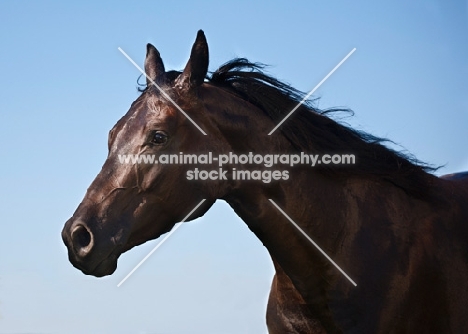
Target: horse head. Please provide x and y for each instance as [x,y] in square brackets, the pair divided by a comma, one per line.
[130,203]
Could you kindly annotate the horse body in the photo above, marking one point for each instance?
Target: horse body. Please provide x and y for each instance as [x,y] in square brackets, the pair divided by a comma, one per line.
[398,231]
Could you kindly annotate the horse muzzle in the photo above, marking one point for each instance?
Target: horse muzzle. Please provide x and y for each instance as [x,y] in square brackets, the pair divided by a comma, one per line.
[86,252]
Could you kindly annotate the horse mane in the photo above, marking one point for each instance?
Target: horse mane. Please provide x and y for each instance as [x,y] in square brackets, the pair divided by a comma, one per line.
[311,130]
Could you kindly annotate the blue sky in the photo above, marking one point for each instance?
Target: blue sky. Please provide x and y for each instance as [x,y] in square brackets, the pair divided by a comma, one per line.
[64,84]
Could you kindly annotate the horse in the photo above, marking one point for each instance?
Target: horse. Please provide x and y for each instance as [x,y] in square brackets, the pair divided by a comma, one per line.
[396,228]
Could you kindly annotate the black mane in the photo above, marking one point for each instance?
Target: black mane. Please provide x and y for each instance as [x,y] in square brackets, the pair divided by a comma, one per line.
[310,129]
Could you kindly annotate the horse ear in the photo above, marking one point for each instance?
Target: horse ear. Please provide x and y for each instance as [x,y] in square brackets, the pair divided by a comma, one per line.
[197,66]
[154,67]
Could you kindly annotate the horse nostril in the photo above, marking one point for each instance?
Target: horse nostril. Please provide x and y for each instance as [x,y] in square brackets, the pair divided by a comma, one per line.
[82,240]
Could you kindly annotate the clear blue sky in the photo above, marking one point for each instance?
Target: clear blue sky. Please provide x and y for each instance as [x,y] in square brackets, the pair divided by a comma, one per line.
[63,85]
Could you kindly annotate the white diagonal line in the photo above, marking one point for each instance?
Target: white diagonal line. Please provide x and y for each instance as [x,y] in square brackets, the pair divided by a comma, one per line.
[313,90]
[161,90]
[159,244]
[313,242]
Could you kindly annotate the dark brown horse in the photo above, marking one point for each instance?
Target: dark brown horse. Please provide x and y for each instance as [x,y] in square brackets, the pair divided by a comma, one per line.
[400,232]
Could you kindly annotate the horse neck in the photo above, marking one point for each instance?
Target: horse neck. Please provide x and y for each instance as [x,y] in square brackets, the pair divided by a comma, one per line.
[334,211]
[305,197]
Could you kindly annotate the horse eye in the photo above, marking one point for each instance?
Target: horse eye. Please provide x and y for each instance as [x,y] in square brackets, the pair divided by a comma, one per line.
[159,138]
